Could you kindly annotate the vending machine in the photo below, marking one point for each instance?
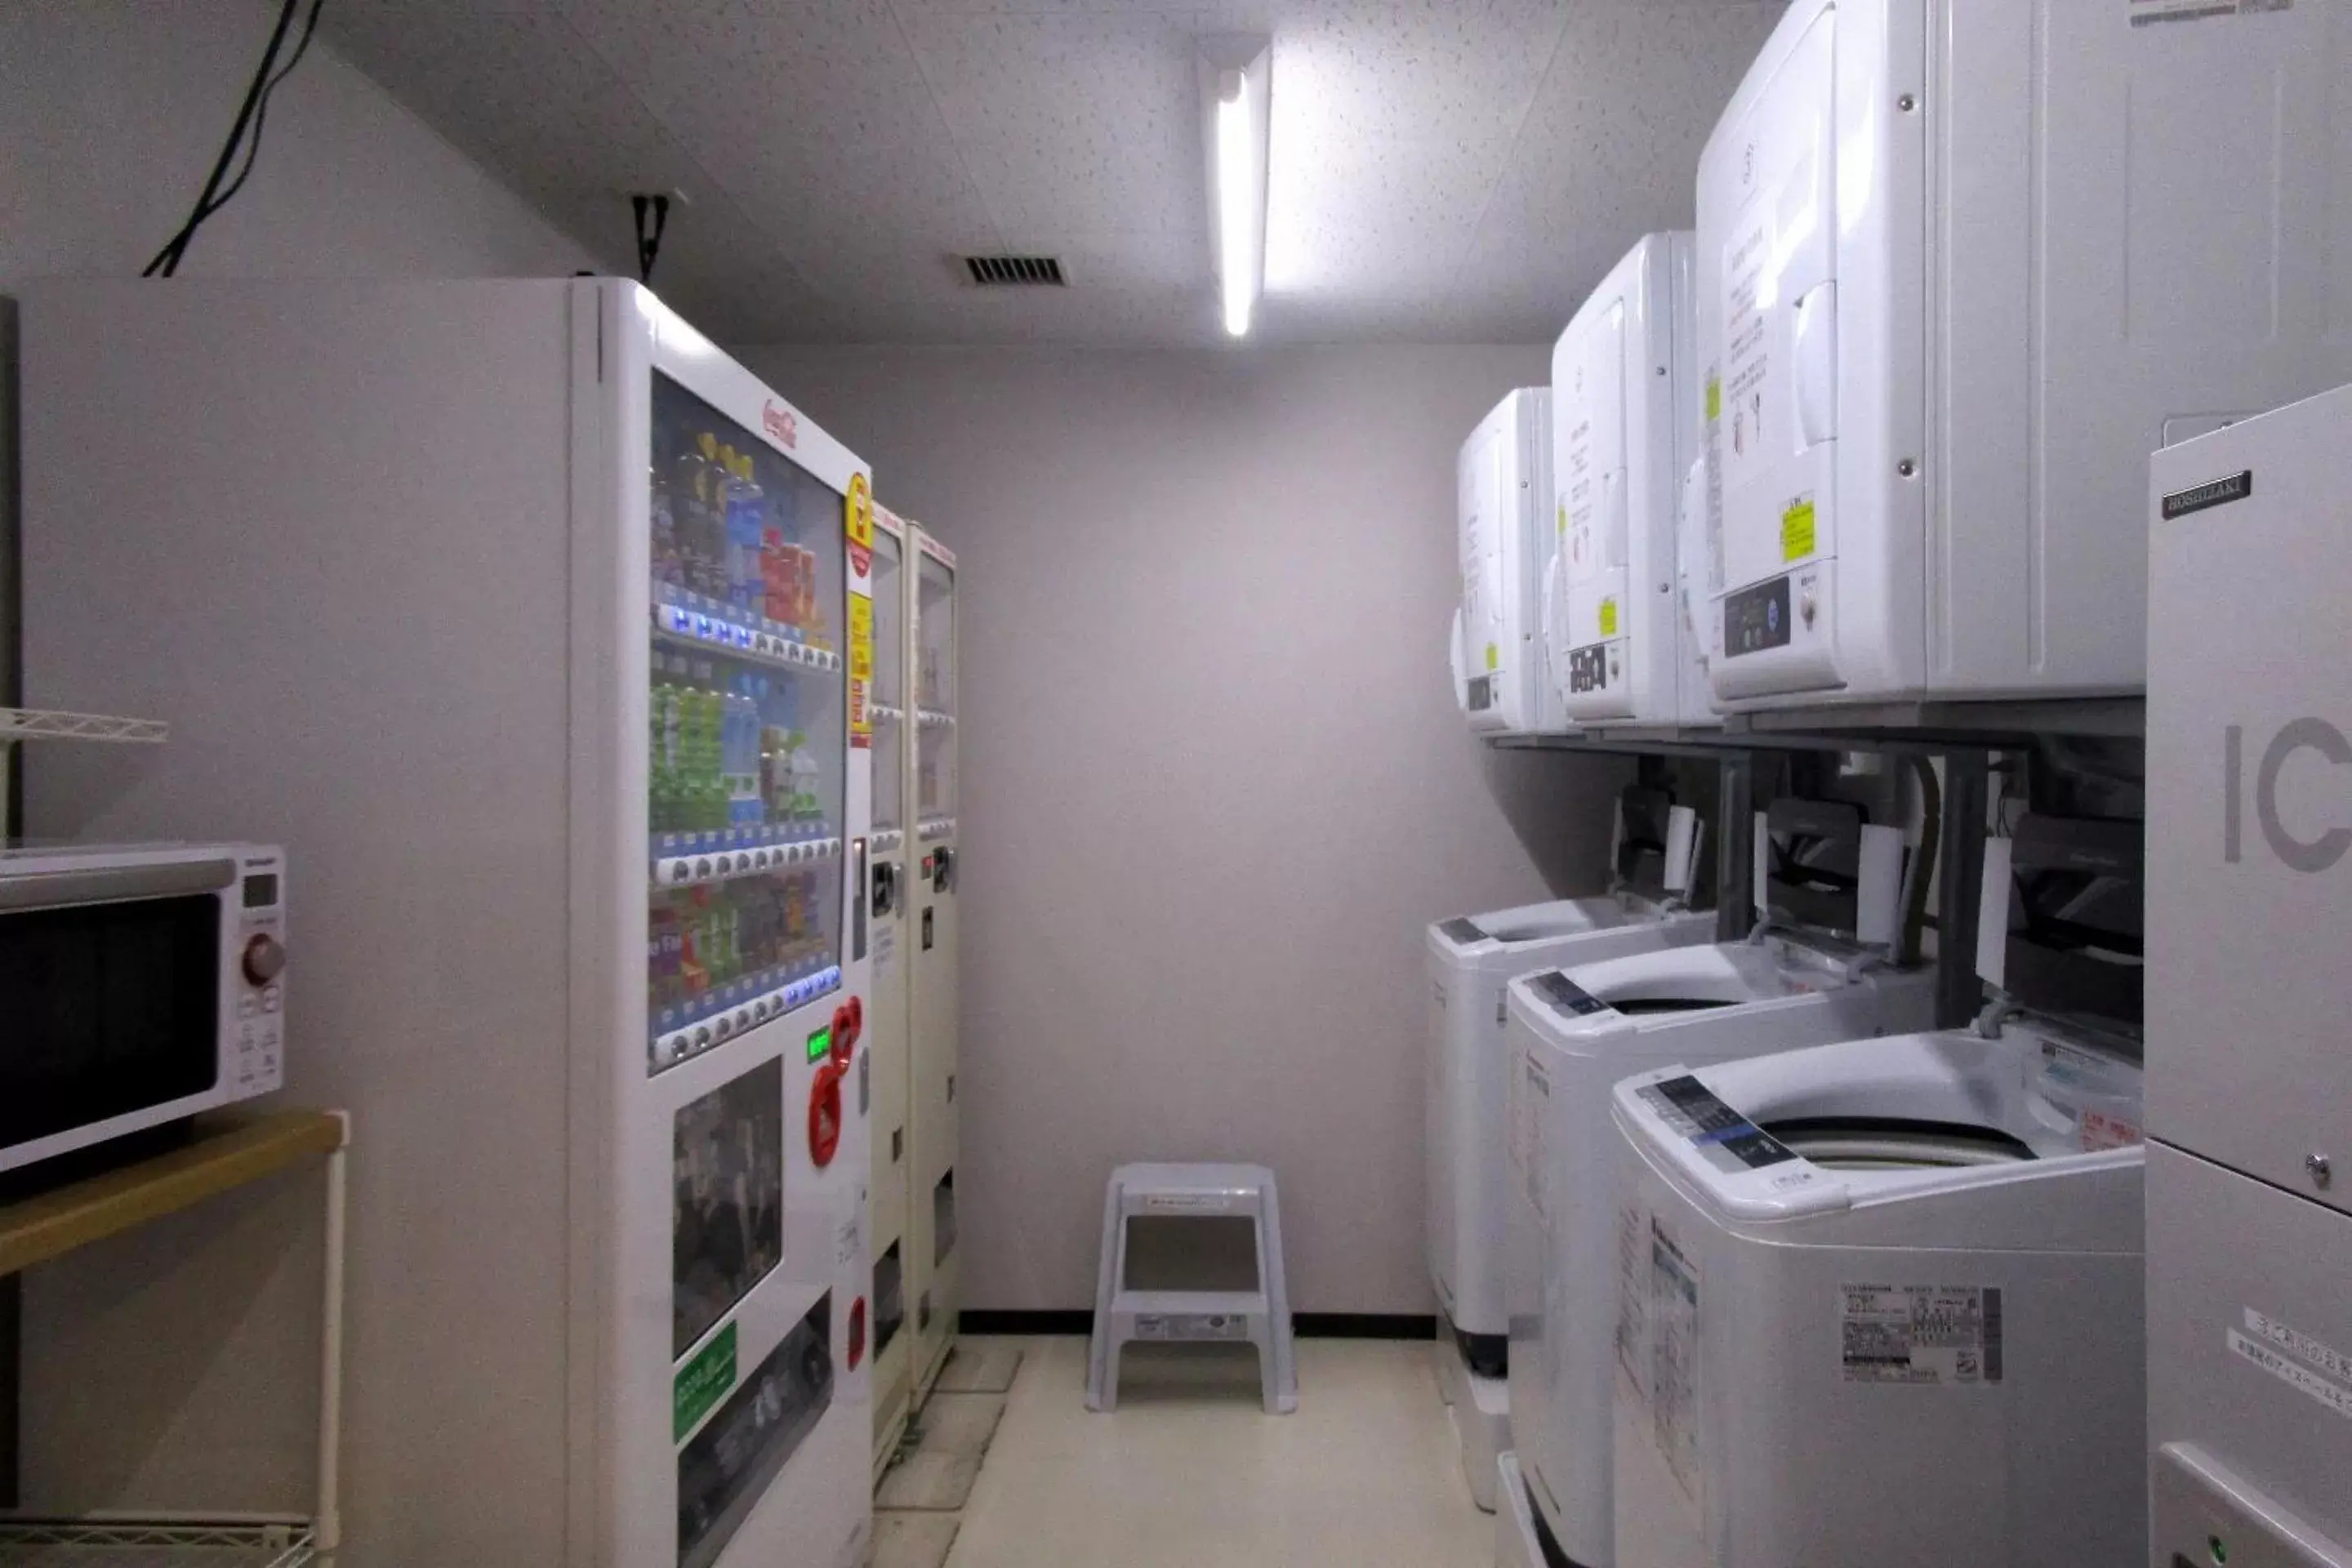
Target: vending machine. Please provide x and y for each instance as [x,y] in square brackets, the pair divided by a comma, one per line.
[890,888]
[537,629]
[931,995]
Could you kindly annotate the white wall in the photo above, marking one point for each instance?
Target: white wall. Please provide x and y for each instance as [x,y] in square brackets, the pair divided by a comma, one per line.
[112,112]
[1213,782]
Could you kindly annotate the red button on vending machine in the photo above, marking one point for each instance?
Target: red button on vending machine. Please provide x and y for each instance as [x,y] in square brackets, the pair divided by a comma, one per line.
[824,1116]
[848,1023]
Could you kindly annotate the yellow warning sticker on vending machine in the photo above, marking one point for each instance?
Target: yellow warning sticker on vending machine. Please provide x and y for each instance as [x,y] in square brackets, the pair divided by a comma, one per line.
[1797,530]
[857,511]
[1608,617]
[861,667]
[861,636]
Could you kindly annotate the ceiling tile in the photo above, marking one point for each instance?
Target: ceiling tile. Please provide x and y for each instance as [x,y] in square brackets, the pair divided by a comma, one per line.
[1460,168]
[1334,223]
[821,75]
[1611,151]
[1433,70]
[1072,122]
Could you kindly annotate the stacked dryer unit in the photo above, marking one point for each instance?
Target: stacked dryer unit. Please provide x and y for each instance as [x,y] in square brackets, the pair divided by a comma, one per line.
[1655,861]
[1817,970]
[2249,1083]
[1881,1301]
[1624,422]
[1505,545]
[931,759]
[1962,264]
[890,1204]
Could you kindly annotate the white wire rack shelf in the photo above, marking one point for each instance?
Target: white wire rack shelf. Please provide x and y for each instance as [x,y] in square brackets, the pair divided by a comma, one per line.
[43,724]
[156,1542]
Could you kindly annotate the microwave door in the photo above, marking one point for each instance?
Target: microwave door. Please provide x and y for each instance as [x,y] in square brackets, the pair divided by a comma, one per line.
[115,1008]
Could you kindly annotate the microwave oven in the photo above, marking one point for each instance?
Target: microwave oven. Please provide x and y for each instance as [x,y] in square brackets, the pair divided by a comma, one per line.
[138,985]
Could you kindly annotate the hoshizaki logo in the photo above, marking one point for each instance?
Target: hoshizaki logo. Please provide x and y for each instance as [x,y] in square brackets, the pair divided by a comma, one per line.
[2296,853]
[2211,493]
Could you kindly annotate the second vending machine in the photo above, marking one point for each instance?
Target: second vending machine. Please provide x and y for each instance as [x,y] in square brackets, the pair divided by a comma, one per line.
[918,1292]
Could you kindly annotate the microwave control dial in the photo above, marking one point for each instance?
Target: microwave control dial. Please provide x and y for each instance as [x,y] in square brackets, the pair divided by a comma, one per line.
[265,960]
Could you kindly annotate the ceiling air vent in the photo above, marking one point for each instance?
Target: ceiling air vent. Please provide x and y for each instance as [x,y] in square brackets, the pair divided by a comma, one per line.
[1015,272]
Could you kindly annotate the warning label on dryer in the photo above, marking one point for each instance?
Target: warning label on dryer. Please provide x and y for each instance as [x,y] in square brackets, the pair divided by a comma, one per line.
[1920,1333]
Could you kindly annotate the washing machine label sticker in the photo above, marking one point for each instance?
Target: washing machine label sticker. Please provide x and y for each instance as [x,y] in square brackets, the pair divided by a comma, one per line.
[2301,1346]
[1674,1356]
[2336,1396]
[1633,1298]
[1529,1109]
[1938,1335]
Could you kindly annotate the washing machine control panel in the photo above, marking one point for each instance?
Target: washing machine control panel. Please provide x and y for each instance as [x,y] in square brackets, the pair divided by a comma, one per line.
[1724,1138]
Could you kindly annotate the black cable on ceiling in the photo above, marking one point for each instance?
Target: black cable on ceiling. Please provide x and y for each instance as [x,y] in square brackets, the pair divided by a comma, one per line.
[649,236]
[251,116]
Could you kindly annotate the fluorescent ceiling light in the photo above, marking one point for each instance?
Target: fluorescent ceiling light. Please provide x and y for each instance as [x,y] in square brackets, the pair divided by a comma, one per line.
[1237,99]
[1236,228]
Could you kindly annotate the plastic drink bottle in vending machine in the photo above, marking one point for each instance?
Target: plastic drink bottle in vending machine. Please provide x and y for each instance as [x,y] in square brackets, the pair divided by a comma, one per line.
[743,807]
[689,491]
[669,569]
[703,780]
[748,520]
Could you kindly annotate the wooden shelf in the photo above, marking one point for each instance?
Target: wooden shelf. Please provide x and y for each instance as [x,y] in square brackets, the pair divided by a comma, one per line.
[222,1156]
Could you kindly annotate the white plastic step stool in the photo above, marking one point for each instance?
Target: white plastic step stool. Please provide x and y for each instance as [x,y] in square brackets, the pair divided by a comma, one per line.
[1261,1316]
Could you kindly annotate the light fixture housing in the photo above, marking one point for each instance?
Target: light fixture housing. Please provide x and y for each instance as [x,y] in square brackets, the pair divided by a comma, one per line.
[1235,96]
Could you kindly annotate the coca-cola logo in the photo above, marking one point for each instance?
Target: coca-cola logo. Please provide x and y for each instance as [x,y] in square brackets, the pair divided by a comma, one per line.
[782,424]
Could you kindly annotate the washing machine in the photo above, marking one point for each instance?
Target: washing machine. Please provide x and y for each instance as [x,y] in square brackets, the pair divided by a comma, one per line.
[1505,544]
[1624,415]
[1571,1036]
[1656,852]
[1881,1301]
[1962,265]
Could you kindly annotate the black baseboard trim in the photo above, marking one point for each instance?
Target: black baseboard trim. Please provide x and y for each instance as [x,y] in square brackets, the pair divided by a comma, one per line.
[984,1321]
[1364,1325]
[1306,1325]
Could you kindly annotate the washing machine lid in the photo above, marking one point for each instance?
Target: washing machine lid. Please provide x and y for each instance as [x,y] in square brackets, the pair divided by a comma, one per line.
[1529,924]
[1832,1127]
[1620,993]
